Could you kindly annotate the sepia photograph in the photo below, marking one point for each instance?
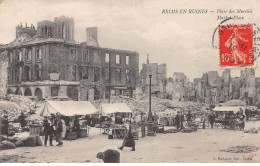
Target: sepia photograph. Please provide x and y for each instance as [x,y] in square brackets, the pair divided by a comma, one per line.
[134,81]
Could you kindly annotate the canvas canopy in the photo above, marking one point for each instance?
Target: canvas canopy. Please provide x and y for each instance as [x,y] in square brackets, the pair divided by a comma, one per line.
[114,108]
[234,102]
[227,109]
[67,108]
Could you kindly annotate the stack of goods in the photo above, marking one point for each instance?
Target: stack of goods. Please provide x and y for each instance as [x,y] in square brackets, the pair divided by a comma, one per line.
[188,130]
[13,142]
[172,131]
[161,130]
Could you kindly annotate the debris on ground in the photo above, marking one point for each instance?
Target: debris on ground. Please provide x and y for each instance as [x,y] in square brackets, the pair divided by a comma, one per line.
[26,104]
[251,131]
[158,105]
[8,158]
[241,149]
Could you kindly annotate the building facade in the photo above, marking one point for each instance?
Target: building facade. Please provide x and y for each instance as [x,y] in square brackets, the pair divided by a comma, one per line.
[158,79]
[47,62]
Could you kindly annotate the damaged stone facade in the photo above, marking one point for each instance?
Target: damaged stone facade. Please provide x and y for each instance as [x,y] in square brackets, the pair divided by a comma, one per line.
[50,63]
[213,88]
[158,80]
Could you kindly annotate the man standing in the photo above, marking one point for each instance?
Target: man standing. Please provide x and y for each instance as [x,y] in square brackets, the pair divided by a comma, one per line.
[241,120]
[203,120]
[59,131]
[143,124]
[212,119]
[22,120]
[181,120]
[189,118]
[54,125]
[77,126]
[5,125]
[109,156]
[155,125]
[247,113]
[178,120]
[48,130]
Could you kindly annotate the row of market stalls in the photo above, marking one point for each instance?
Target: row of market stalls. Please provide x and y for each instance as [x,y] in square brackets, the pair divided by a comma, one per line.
[223,112]
[69,111]
[85,112]
[72,110]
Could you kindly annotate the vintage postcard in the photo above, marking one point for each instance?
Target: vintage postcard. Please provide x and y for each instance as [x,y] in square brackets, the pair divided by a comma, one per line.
[134,81]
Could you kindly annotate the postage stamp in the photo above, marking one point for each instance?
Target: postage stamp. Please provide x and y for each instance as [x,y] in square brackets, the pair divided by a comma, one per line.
[236,45]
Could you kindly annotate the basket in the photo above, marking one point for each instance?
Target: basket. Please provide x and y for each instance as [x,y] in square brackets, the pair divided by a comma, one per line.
[83,133]
[110,136]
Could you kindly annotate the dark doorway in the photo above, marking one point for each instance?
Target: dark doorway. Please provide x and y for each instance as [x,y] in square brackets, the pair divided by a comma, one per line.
[38,94]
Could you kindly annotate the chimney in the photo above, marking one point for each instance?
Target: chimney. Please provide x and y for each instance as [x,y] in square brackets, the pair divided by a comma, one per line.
[92,39]
[147,60]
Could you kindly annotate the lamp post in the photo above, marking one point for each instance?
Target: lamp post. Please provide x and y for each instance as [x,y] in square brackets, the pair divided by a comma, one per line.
[150,116]
[109,80]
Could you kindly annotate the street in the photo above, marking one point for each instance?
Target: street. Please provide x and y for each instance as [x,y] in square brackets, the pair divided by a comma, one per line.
[200,146]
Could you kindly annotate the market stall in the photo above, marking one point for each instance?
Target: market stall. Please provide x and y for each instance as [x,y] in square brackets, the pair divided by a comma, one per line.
[234,103]
[118,111]
[71,112]
[226,117]
[166,118]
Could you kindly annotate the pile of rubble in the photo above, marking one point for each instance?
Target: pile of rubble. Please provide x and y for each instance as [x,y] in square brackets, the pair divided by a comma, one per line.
[157,104]
[26,104]
[12,115]
[135,105]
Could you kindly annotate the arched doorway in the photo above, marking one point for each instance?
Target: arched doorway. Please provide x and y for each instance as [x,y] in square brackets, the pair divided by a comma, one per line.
[18,91]
[96,94]
[28,92]
[73,94]
[38,93]
[9,91]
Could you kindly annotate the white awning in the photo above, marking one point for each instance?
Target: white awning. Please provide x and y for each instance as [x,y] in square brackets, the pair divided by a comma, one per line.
[227,109]
[67,108]
[114,108]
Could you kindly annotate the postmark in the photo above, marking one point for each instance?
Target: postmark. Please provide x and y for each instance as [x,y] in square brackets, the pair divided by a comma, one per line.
[236,45]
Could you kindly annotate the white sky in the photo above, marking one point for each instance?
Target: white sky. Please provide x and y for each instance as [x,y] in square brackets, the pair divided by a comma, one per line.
[183,42]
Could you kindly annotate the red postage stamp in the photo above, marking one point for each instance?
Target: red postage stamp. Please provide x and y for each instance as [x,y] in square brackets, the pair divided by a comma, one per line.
[236,45]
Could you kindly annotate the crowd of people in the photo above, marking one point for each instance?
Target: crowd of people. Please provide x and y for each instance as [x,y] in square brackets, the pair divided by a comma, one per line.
[56,126]
[182,120]
[53,127]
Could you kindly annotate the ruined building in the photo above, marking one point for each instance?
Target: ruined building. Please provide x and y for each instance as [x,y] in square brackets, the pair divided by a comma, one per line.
[158,80]
[47,61]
